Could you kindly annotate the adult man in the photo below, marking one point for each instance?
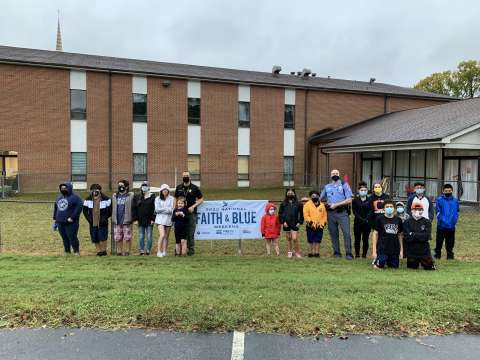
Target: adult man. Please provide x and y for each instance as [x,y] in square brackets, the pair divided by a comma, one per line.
[419,197]
[194,198]
[338,196]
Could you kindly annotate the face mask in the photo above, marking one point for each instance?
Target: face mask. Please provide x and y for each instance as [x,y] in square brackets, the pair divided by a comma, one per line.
[186,179]
[145,189]
[448,194]
[64,192]
[417,214]
[363,192]
[377,190]
[121,188]
[315,199]
[96,193]
[290,196]
[271,211]
[335,177]
[389,210]
[419,191]
[400,210]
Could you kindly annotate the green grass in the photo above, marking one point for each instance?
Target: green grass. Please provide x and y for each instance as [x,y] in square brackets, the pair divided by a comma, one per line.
[215,291]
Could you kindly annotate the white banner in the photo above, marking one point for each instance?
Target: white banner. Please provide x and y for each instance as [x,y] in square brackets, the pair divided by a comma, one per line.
[230,219]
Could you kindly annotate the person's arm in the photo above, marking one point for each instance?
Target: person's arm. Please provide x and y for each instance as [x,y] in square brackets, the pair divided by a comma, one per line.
[323,194]
[356,209]
[431,210]
[300,214]
[55,210]
[262,226]
[280,213]
[323,215]
[409,205]
[400,239]
[198,202]
[85,210]
[348,197]
[78,208]
[374,243]
[109,208]
[306,214]
[153,215]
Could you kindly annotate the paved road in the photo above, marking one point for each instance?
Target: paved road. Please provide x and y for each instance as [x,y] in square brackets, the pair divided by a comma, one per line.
[76,344]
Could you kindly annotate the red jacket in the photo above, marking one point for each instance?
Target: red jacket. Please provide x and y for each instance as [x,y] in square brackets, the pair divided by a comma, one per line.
[270,224]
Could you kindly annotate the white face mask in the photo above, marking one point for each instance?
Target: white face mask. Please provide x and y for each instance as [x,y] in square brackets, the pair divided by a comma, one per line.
[417,214]
[145,189]
[271,211]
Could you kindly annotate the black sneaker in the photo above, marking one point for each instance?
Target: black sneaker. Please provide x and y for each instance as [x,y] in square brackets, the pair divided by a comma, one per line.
[437,256]
[310,255]
[147,253]
[316,255]
[450,257]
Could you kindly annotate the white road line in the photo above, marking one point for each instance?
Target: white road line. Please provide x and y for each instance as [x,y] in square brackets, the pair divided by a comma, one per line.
[238,345]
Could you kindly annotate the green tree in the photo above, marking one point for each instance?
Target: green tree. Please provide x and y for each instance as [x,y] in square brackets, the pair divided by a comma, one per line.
[463,82]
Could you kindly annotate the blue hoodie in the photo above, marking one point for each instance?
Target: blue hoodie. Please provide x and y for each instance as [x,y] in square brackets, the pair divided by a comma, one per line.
[447,212]
[69,206]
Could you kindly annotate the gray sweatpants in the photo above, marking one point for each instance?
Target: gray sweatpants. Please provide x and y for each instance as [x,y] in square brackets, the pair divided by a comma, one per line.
[341,219]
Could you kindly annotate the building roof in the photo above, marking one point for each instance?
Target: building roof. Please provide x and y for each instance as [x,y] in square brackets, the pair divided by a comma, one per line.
[428,124]
[104,63]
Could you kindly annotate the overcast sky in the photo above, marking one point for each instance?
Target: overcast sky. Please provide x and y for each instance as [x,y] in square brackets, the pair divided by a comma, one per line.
[396,42]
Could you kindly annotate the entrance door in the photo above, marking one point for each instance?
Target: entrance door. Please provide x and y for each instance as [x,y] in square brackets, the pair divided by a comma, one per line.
[371,171]
[9,169]
[463,175]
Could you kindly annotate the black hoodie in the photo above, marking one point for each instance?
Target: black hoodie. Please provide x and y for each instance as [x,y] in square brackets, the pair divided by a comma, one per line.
[105,209]
[417,234]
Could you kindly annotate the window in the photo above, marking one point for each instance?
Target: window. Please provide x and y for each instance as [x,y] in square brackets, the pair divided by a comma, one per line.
[193,166]
[288,168]
[139,167]
[243,167]
[417,163]
[289,120]
[139,107]
[244,114]
[79,166]
[194,111]
[78,104]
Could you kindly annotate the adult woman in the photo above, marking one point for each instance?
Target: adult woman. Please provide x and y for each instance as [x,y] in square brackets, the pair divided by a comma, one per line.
[144,205]
[291,216]
[164,204]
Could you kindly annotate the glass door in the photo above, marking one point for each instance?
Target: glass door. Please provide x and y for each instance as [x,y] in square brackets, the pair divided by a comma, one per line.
[469,179]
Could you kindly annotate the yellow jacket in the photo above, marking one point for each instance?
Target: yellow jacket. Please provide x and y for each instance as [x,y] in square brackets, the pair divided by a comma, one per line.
[315,216]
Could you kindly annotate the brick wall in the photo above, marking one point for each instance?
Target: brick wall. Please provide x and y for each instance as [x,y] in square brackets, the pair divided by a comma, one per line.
[167,130]
[219,119]
[35,122]
[397,104]
[299,167]
[266,136]
[97,129]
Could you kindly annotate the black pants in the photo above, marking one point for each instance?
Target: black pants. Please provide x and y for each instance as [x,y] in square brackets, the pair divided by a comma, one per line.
[361,232]
[426,262]
[69,234]
[449,237]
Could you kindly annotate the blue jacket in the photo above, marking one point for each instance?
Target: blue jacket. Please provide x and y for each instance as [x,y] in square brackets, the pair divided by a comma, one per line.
[69,206]
[447,212]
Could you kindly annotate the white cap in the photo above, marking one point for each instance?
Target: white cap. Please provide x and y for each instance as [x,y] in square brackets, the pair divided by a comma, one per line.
[164,186]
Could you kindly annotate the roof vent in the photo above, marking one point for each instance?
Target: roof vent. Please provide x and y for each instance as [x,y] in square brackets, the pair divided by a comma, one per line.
[292,72]
[306,73]
[314,74]
[372,80]
[276,70]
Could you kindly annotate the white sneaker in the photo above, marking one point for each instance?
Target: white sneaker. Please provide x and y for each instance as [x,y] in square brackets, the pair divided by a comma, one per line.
[159,254]
[164,254]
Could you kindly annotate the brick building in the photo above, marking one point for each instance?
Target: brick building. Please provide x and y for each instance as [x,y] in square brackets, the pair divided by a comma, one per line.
[96,119]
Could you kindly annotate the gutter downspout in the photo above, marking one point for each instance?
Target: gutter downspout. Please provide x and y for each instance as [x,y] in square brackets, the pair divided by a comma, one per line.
[110,126]
[306,157]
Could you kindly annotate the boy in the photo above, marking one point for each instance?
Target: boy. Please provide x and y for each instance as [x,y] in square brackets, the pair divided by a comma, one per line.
[418,232]
[361,224]
[428,211]
[315,215]
[404,217]
[270,228]
[447,217]
[387,238]
[123,217]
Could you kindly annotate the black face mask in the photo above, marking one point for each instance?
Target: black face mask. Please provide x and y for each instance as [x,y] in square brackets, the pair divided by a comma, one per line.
[96,193]
[186,179]
[64,192]
[121,189]
[335,178]
[447,194]
[315,199]
[291,197]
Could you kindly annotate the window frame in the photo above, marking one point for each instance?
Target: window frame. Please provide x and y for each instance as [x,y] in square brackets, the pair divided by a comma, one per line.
[287,111]
[194,120]
[194,175]
[243,176]
[241,122]
[82,113]
[139,117]
[289,176]
[136,175]
[78,177]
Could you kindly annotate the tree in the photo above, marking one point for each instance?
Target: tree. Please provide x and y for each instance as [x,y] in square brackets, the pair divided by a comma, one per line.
[463,82]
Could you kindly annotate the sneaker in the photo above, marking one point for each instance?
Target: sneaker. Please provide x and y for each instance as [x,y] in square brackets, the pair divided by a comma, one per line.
[298,255]
[147,253]
[99,253]
[159,254]
[76,254]
[316,255]
[127,254]
[141,253]
[437,256]
[66,253]
[337,256]
[450,257]
[311,255]
[103,253]
[289,254]
[349,257]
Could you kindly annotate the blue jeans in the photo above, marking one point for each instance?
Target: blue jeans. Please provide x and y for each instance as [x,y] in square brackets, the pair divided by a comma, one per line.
[141,238]
[69,234]
[336,219]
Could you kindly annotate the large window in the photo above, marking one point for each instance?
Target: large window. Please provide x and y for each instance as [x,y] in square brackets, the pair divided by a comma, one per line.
[244,114]
[243,167]
[79,166]
[194,111]
[289,120]
[193,165]
[78,104]
[139,107]
[139,167]
[288,170]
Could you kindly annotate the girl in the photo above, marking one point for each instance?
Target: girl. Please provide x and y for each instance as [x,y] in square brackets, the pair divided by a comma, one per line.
[164,210]
[97,208]
[315,215]
[144,209]
[291,217]
[180,219]
[270,228]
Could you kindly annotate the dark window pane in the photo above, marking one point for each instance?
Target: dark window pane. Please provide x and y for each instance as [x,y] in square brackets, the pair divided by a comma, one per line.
[244,114]
[139,167]
[193,111]
[289,121]
[288,168]
[78,104]
[139,107]
[79,166]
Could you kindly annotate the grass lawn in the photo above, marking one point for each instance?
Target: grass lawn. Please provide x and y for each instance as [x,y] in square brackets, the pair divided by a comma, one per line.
[212,292]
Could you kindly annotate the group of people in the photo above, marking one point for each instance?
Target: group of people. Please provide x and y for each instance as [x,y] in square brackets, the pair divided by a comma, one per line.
[125,209]
[399,230]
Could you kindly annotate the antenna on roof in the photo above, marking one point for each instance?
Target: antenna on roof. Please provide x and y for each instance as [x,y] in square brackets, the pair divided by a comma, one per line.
[59,34]
[372,80]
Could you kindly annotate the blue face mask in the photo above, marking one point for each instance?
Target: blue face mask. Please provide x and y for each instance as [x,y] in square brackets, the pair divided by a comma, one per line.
[400,210]
[419,191]
[363,192]
[389,210]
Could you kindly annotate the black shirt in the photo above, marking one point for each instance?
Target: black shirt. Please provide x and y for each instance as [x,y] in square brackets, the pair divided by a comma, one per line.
[417,234]
[191,192]
[388,230]
[361,210]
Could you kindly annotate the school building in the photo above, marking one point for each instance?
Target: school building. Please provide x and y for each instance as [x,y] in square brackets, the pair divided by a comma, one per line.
[97,119]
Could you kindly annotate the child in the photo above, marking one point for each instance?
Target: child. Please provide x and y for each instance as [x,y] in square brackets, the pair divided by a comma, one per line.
[404,217]
[387,238]
[377,200]
[447,217]
[417,232]
[164,210]
[180,219]
[315,215]
[419,197]
[361,224]
[97,208]
[270,228]
[291,217]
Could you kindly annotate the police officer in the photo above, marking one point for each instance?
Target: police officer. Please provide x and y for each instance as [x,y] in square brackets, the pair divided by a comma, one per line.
[338,196]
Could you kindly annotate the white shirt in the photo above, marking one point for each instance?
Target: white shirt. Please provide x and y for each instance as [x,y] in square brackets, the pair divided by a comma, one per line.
[164,210]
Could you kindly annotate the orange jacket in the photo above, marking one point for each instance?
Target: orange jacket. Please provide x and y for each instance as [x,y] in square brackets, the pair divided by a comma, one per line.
[315,216]
[270,225]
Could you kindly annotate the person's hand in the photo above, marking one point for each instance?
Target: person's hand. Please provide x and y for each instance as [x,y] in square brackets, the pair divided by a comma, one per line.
[70,220]
[135,222]
[190,209]
[54,226]
[298,225]
[152,222]
[285,224]
[333,206]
